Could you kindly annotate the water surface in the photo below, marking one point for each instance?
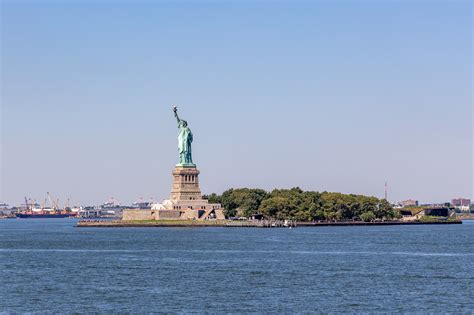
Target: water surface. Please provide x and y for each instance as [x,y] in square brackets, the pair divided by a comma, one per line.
[48,265]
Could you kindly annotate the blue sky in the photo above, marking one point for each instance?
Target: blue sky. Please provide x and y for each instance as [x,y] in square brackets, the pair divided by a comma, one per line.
[325,95]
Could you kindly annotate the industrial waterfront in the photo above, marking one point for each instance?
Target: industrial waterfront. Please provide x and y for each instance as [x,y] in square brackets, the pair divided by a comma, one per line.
[49,265]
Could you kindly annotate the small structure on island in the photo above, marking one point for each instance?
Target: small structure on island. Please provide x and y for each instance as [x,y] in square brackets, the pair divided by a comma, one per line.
[186,202]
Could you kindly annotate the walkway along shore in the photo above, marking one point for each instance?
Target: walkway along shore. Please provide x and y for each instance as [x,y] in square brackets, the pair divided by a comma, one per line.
[244,224]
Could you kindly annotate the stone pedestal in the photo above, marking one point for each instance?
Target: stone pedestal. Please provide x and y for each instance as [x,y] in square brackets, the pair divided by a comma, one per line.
[186,202]
[185,184]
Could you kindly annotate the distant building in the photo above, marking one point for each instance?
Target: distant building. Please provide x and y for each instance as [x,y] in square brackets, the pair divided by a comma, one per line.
[409,203]
[461,204]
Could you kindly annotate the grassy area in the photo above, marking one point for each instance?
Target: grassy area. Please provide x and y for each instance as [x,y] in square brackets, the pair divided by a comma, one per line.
[428,218]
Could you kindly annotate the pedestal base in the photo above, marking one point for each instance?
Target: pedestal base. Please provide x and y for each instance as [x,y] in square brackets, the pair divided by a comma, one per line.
[185,184]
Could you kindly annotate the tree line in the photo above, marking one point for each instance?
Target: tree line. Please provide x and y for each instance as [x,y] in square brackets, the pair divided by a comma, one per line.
[296,204]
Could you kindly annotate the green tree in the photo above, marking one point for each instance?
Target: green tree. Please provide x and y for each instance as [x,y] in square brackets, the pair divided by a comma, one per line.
[213,198]
[302,205]
[367,216]
[246,200]
[275,207]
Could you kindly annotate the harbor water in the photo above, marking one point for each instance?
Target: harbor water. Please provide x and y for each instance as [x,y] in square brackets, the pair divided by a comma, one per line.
[50,266]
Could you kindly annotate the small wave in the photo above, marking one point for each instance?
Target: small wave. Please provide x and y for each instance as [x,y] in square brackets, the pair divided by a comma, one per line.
[72,250]
[298,252]
[432,254]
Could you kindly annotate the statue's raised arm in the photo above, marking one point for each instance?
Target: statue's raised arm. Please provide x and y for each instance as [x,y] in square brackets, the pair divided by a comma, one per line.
[175,110]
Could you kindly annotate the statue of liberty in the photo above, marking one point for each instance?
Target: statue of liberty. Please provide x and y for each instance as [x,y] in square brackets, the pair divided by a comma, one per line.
[185,138]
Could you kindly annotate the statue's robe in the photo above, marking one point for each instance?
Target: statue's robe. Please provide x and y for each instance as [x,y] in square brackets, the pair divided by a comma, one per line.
[185,138]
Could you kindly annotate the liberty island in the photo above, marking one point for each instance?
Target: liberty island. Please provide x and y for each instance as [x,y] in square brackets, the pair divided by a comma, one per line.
[186,205]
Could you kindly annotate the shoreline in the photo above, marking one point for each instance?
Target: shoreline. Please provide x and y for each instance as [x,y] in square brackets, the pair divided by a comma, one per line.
[246,224]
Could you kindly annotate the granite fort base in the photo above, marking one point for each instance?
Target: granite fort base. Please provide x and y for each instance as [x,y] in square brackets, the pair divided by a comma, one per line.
[185,202]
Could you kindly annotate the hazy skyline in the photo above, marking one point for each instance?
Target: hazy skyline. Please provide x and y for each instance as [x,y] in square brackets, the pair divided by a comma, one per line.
[328,96]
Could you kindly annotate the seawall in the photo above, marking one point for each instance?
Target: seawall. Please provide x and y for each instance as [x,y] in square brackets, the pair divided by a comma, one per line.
[260,224]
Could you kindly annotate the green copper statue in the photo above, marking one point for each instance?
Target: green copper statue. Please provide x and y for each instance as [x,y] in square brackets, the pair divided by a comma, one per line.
[185,138]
